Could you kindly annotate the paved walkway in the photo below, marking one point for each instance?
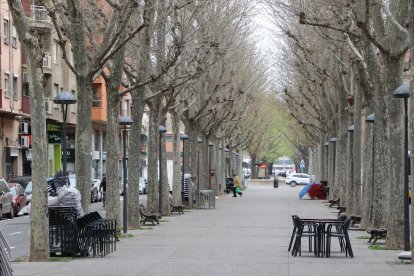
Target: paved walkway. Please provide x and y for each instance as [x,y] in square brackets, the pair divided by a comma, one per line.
[242,236]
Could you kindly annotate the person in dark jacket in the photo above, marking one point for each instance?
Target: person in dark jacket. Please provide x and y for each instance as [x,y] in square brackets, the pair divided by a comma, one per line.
[102,189]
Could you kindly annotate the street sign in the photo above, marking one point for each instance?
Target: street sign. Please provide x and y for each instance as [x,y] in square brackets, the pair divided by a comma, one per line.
[302,164]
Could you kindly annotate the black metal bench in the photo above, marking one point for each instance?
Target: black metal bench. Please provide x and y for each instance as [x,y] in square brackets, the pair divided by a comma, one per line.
[333,202]
[341,210]
[147,216]
[377,233]
[355,220]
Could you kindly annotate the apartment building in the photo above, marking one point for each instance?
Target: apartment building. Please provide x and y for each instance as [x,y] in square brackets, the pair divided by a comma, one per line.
[15,127]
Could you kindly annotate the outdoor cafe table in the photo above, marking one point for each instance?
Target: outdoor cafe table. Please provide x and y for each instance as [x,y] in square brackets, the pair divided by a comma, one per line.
[321,222]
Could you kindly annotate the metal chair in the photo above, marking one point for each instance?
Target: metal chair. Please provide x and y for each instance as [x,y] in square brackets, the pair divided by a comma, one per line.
[340,231]
[299,232]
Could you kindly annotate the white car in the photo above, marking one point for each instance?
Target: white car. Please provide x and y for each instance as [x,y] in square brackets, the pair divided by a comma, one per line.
[298,178]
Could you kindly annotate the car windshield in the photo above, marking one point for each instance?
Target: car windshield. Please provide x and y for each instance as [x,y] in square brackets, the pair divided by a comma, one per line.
[13,190]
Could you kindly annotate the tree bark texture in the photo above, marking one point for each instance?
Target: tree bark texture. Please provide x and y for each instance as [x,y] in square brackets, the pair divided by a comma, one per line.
[152,185]
[113,157]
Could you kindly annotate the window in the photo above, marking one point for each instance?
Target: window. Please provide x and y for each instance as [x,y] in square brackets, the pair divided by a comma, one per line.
[54,94]
[6,84]
[127,108]
[25,88]
[55,51]
[14,36]
[6,32]
[15,87]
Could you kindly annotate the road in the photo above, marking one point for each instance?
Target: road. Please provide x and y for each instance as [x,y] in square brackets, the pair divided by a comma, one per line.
[17,230]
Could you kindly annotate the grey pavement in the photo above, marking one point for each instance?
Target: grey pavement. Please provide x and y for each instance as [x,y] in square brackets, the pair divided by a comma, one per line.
[248,235]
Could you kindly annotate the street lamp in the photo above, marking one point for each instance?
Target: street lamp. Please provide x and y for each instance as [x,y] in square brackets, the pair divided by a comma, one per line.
[183,137]
[333,140]
[210,146]
[371,119]
[161,130]
[226,168]
[404,92]
[64,98]
[199,141]
[125,121]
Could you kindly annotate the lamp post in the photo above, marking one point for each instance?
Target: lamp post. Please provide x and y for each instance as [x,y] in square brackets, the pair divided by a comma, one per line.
[226,168]
[183,137]
[350,185]
[404,92]
[125,121]
[371,119]
[161,130]
[210,146]
[199,141]
[64,98]
[333,140]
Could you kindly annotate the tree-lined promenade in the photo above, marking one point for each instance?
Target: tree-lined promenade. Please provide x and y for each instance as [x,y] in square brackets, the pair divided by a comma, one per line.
[196,62]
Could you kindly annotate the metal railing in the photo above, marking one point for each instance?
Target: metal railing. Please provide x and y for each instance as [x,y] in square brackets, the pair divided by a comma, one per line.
[5,257]
[39,14]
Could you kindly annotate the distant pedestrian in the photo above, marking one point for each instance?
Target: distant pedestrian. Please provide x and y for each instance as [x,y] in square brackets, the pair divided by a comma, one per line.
[102,189]
[275,180]
[236,187]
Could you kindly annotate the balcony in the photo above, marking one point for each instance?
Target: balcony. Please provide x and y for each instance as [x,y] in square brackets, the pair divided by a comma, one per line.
[47,63]
[38,18]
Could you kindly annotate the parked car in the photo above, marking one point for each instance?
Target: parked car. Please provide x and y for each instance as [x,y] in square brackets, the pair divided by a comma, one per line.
[94,189]
[28,191]
[6,200]
[97,183]
[19,197]
[298,178]
[21,179]
[142,185]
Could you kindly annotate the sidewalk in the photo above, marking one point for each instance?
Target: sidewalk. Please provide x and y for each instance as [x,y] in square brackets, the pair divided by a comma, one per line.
[248,235]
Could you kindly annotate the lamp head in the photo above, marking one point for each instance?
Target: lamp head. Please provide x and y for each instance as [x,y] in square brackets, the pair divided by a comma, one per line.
[125,121]
[162,129]
[210,144]
[370,118]
[199,140]
[64,97]
[333,140]
[184,136]
[402,92]
[351,128]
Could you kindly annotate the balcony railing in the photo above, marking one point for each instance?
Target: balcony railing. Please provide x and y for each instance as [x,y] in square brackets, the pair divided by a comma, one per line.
[39,14]
[97,103]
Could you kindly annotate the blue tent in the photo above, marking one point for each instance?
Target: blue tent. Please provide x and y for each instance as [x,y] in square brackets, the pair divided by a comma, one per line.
[305,190]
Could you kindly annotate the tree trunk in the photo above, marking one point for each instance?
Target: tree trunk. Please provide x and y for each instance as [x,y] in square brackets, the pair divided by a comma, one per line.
[253,171]
[83,140]
[395,180]
[152,185]
[134,158]
[356,146]
[112,161]
[177,177]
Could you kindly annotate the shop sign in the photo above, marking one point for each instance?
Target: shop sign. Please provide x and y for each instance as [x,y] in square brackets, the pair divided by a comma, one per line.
[54,137]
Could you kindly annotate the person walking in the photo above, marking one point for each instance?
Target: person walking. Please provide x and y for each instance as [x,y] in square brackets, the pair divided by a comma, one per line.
[236,188]
[102,189]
